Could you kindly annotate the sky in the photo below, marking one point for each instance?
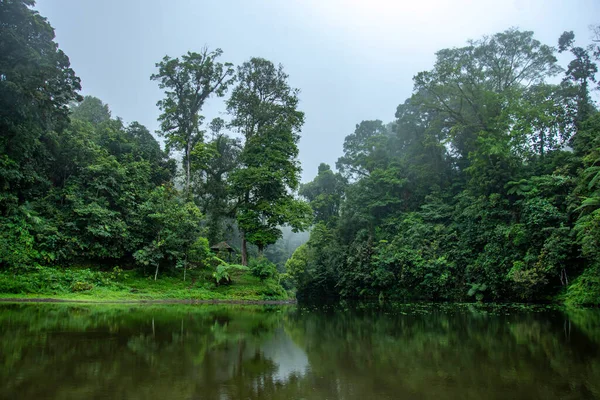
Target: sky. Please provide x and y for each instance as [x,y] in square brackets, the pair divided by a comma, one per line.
[352,60]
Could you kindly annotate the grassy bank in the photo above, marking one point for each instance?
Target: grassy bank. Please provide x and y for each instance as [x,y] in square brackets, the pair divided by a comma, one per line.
[87,284]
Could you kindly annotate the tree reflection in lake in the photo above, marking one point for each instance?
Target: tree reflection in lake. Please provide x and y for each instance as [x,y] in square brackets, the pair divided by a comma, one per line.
[55,351]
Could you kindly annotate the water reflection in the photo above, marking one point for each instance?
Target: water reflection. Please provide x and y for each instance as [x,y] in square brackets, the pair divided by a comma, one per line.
[290,359]
[53,351]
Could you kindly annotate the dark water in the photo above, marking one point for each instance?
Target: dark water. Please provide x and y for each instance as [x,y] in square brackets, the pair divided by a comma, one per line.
[53,351]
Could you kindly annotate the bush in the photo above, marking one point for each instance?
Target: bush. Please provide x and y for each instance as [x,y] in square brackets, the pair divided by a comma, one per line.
[477,290]
[286,281]
[47,280]
[79,286]
[200,253]
[271,290]
[585,289]
[17,242]
[263,268]
[117,274]
[222,274]
[14,285]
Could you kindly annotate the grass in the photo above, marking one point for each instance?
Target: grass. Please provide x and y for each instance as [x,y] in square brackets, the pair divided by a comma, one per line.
[85,284]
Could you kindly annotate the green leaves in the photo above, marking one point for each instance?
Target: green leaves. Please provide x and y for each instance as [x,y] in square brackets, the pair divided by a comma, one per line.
[172,227]
[188,82]
[36,87]
[263,98]
[263,268]
[492,105]
[91,110]
[223,273]
[263,109]
[364,150]
[470,193]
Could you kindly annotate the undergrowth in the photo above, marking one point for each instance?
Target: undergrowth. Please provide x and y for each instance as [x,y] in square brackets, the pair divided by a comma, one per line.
[91,284]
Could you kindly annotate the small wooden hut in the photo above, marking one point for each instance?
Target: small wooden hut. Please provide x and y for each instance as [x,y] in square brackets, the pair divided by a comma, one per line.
[222,247]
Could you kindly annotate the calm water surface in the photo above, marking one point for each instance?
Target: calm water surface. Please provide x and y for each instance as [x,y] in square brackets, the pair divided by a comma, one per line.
[57,351]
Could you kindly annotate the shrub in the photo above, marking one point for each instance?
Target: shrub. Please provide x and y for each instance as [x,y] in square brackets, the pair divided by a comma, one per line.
[222,274]
[477,290]
[47,280]
[271,290]
[585,289]
[79,286]
[263,268]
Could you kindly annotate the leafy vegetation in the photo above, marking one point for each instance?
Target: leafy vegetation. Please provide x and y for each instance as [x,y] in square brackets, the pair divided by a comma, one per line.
[89,284]
[484,188]
[80,187]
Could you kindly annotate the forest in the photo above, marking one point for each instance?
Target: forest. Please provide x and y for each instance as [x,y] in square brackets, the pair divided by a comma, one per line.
[486,186]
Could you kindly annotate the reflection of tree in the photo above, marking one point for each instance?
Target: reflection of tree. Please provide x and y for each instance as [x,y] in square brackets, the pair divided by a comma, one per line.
[227,352]
[447,354]
[153,352]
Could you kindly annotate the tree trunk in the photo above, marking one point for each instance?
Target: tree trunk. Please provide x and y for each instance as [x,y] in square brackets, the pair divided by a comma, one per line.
[244,250]
[564,279]
[187,169]
[156,272]
[244,246]
[184,267]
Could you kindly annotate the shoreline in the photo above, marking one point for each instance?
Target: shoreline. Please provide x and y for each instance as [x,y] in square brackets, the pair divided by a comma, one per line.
[146,301]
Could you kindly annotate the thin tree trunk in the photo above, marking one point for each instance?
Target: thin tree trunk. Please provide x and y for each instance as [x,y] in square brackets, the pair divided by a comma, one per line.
[244,246]
[244,250]
[158,263]
[564,279]
[187,168]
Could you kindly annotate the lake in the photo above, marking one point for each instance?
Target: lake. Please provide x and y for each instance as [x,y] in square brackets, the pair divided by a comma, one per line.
[418,351]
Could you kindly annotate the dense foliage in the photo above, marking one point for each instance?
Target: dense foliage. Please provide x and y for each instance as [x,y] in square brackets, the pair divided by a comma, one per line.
[485,187]
[80,187]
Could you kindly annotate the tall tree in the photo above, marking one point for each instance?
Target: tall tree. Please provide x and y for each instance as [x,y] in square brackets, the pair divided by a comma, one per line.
[473,88]
[215,162]
[36,86]
[147,148]
[324,193]
[91,110]
[173,227]
[188,82]
[264,110]
[471,192]
[363,151]
[580,72]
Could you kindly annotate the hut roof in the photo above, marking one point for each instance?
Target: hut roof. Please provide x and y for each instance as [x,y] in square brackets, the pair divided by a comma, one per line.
[221,246]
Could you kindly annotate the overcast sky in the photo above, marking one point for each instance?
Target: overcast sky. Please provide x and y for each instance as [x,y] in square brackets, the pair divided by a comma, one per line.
[352,60]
